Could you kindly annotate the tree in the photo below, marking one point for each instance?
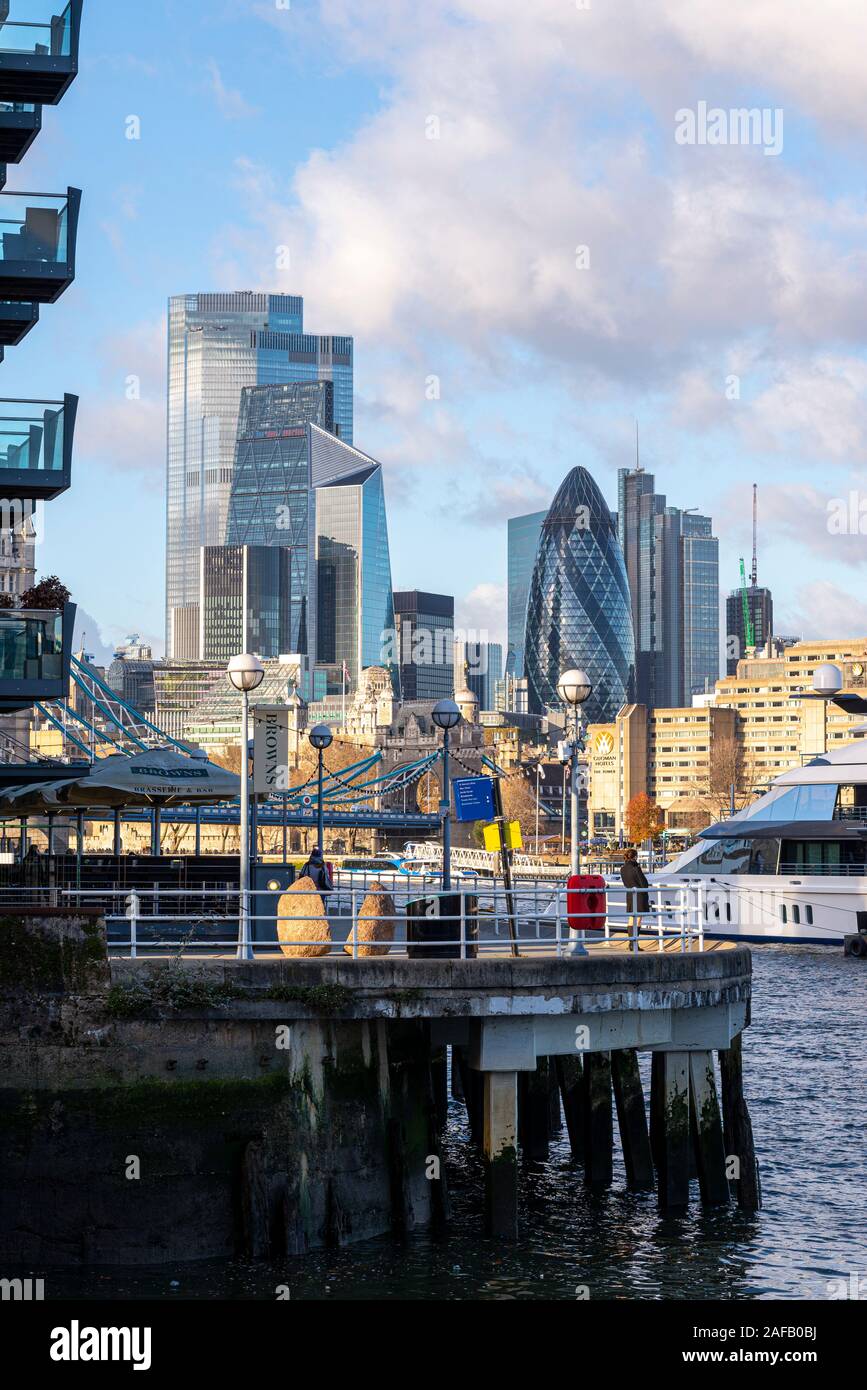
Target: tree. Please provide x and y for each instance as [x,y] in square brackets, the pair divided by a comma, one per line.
[428,794]
[519,800]
[7,601]
[644,819]
[48,593]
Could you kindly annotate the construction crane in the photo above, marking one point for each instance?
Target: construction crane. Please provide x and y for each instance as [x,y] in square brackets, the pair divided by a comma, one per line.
[749,630]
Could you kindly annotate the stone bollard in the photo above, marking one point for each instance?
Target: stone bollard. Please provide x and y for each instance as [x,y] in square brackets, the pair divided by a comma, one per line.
[302,906]
[375,923]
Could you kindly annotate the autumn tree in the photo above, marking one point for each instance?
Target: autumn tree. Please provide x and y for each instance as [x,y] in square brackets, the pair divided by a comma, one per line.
[644,819]
[519,799]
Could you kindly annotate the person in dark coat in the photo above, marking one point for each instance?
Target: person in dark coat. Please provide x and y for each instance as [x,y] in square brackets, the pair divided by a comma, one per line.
[317,869]
[633,878]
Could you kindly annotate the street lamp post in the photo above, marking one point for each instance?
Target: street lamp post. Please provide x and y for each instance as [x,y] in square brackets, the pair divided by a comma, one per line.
[245,673]
[540,777]
[446,715]
[574,688]
[321,737]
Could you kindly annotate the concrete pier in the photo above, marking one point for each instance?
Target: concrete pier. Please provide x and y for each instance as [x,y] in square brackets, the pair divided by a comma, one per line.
[276,1105]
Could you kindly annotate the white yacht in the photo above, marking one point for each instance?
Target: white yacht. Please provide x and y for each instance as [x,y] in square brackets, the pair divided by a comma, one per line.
[792,867]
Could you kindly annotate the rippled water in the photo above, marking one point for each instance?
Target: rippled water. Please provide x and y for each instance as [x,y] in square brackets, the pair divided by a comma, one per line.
[806,1083]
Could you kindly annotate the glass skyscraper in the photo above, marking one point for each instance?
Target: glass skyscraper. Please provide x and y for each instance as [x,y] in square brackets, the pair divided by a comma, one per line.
[217,345]
[355,607]
[272,501]
[578,612]
[426,643]
[524,533]
[672,564]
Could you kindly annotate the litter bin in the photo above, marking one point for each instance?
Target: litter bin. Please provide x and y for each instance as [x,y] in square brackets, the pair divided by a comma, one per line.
[437,918]
[269,882]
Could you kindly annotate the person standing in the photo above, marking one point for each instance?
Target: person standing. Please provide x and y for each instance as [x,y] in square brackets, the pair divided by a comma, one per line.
[317,869]
[634,881]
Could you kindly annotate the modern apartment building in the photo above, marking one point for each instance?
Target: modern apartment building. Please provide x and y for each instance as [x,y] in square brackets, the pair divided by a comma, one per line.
[424,630]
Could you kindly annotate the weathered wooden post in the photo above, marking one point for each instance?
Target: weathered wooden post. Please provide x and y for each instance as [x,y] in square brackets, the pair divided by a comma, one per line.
[673,1141]
[737,1127]
[632,1118]
[570,1080]
[598,1122]
[471,1084]
[500,1095]
[534,1111]
[707,1133]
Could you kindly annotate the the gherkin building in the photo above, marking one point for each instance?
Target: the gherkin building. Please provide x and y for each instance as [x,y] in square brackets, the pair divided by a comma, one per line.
[578,610]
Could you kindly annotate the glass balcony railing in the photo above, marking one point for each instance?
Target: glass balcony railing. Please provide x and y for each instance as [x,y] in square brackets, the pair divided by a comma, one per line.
[25,28]
[38,49]
[37,244]
[35,650]
[31,645]
[35,448]
[20,123]
[16,321]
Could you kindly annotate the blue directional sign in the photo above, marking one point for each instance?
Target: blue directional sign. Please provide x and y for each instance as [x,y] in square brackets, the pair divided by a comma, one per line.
[474,798]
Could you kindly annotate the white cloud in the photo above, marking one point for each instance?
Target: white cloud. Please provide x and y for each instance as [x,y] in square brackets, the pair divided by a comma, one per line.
[823,609]
[229,100]
[482,612]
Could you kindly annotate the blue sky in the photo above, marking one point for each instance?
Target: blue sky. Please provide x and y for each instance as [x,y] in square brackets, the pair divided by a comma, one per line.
[723,302]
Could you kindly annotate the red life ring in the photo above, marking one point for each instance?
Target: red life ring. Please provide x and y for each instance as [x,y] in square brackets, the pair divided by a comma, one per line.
[586,902]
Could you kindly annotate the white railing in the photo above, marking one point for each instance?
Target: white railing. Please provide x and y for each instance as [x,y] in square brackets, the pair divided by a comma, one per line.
[488,919]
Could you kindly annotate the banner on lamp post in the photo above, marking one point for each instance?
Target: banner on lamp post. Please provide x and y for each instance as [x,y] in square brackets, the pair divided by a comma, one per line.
[270,748]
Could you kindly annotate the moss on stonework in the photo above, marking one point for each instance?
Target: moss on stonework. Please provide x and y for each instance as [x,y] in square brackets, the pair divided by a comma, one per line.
[326,999]
[171,990]
[145,1102]
[62,955]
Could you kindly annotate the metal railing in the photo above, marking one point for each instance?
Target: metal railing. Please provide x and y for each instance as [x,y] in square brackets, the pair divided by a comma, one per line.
[487,921]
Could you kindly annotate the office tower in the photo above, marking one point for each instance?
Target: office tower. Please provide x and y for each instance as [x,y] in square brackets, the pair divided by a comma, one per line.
[479,668]
[217,345]
[700,580]
[272,501]
[354,604]
[131,675]
[578,609]
[245,601]
[672,565]
[760,604]
[425,642]
[524,533]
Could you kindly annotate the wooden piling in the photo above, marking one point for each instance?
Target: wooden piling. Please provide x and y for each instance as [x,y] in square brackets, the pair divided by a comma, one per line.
[457,1084]
[440,1086]
[471,1084]
[632,1119]
[570,1081]
[598,1122]
[500,1106]
[534,1111]
[737,1127]
[673,1133]
[706,1130]
[555,1113]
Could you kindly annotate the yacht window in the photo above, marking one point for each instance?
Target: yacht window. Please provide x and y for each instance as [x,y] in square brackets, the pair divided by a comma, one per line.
[808,913]
[783,913]
[796,914]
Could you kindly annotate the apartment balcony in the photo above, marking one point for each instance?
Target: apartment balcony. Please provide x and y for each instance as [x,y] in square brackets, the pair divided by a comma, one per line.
[36,449]
[38,233]
[16,321]
[38,50]
[35,650]
[20,123]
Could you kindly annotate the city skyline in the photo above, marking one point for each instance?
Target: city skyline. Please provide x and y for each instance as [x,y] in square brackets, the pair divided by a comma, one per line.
[734,386]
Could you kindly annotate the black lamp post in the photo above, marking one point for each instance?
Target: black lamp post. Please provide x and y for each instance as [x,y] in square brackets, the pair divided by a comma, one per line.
[446,715]
[321,738]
